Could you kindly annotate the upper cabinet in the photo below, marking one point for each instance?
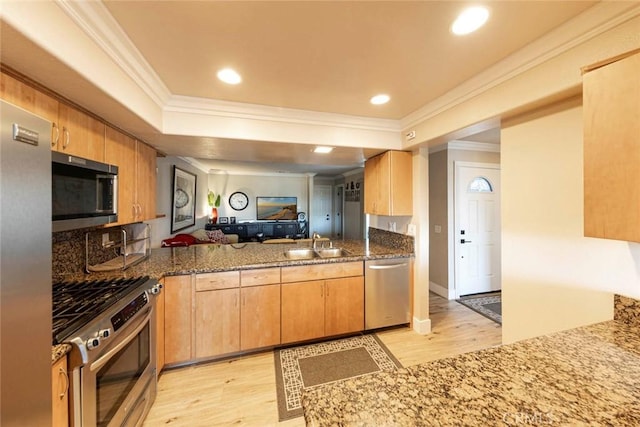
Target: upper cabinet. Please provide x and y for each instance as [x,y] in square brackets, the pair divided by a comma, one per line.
[73,131]
[388,186]
[611,104]
[78,134]
[136,163]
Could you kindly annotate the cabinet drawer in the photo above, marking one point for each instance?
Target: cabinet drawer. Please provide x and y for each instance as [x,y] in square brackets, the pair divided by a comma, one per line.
[261,276]
[221,280]
[321,271]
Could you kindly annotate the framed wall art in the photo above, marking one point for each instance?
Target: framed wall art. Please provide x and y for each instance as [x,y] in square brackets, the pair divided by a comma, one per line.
[183,207]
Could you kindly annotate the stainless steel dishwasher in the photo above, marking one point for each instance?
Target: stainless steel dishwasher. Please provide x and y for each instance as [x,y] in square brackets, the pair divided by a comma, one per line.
[386,295]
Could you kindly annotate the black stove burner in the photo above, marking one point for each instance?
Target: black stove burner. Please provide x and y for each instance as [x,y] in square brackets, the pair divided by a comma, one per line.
[77,303]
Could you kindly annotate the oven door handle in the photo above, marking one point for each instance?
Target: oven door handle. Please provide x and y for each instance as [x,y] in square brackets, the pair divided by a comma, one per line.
[107,356]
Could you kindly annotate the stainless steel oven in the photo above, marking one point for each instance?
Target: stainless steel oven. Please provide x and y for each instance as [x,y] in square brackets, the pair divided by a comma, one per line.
[113,362]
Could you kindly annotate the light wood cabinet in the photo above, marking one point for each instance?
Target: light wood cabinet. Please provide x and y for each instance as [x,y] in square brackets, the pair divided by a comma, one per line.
[217,314]
[79,134]
[73,132]
[217,322]
[60,393]
[388,184]
[160,303]
[260,308]
[611,104]
[177,319]
[146,177]
[136,176]
[260,316]
[29,98]
[344,305]
[302,311]
[331,305]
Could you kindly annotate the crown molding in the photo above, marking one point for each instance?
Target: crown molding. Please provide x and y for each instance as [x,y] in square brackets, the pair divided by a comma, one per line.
[466,146]
[229,109]
[594,21]
[96,21]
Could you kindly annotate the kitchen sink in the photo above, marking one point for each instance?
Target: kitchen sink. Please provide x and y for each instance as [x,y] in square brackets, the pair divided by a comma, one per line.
[331,252]
[310,253]
[300,253]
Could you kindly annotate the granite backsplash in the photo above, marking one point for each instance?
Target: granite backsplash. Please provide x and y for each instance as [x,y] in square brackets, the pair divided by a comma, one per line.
[68,250]
[391,239]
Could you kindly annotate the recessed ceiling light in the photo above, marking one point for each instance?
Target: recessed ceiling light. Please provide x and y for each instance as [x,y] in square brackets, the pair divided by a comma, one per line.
[229,76]
[380,99]
[470,20]
[322,149]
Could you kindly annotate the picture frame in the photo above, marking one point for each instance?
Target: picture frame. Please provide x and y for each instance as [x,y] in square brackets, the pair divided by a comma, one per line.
[232,220]
[183,201]
[223,220]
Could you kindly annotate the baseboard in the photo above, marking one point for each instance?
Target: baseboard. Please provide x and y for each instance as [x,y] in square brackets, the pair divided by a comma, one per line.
[422,327]
[442,291]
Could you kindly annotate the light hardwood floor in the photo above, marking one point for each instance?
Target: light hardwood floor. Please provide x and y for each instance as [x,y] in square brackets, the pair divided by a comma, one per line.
[242,391]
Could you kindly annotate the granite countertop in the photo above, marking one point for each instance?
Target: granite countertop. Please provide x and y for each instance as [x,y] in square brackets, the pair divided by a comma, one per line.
[212,258]
[583,376]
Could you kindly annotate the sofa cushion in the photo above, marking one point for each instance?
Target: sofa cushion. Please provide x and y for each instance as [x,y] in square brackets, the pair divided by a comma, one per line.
[178,240]
[215,236]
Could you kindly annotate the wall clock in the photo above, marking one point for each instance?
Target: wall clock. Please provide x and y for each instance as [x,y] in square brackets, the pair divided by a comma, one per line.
[238,201]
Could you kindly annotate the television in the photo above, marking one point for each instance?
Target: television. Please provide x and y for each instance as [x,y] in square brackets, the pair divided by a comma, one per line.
[276,208]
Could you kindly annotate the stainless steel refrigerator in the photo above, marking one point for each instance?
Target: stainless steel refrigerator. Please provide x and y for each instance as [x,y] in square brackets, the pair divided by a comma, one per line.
[25,268]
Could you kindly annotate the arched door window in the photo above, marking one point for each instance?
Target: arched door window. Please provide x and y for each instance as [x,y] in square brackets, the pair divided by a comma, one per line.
[480,184]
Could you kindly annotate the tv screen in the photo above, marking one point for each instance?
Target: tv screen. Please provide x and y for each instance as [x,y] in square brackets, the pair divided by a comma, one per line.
[276,208]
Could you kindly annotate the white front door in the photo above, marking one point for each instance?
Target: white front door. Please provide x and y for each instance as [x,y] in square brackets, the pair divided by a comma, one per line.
[477,228]
[320,221]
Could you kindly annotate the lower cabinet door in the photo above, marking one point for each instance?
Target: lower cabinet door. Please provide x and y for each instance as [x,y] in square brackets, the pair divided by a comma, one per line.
[217,322]
[302,311]
[177,319]
[60,393]
[260,316]
[344,305]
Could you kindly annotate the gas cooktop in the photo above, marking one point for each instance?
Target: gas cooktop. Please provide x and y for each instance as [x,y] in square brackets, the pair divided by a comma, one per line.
[76,303]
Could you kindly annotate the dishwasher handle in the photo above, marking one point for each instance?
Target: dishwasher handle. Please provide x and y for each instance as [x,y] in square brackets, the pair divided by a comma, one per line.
[387,266]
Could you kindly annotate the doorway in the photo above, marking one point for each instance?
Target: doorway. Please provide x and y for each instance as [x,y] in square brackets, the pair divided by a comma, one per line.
[321,213]
[338,205]
[477,243]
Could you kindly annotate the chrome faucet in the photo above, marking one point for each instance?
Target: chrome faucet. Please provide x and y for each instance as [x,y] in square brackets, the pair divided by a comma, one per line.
[314,237]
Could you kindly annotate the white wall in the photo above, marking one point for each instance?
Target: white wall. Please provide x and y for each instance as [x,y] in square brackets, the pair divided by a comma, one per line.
[553,277]
[258,185]
[161,227]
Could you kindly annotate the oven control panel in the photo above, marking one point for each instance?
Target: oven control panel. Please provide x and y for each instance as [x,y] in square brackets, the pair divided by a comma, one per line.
[120,318]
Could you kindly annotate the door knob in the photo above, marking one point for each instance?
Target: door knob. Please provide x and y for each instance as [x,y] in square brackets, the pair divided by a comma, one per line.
[465,241]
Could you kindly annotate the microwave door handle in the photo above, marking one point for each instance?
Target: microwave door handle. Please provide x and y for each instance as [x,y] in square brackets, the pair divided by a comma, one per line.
[107,356]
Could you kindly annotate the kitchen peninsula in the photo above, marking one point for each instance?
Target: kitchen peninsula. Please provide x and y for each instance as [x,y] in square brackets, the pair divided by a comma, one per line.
[584,376]
[199,274]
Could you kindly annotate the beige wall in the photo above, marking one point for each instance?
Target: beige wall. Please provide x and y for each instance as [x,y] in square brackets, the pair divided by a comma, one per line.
[441,212]
[258,185]
[553,277]
[438,242]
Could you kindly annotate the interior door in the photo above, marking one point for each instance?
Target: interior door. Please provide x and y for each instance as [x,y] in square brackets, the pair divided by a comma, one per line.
[338,204]
[477,229]
[321,214]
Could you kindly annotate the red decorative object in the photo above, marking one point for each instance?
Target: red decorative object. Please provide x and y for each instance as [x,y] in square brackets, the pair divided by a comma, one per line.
[214,215]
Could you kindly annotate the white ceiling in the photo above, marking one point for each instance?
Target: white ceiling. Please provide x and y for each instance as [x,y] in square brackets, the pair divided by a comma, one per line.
[322,57]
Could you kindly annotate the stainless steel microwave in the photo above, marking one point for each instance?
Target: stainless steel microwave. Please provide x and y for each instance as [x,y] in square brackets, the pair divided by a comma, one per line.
[84,192]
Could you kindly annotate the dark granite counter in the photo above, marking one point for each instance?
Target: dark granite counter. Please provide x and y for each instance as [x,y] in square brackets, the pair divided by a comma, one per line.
[212,258]
[583,376]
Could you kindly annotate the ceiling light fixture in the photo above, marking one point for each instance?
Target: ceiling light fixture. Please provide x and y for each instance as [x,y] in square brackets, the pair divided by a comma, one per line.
[229,76]
[470,20]
[380,99]
[322,149]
